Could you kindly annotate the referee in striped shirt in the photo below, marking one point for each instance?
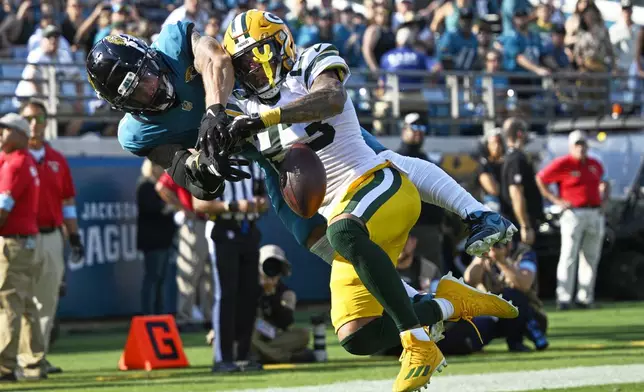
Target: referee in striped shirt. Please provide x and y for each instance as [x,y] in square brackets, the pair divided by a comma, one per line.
[233,241]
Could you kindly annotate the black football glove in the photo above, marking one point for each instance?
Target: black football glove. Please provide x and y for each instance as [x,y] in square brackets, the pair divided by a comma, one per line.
[213,131]
[244,126]
[211,171]
[78,251]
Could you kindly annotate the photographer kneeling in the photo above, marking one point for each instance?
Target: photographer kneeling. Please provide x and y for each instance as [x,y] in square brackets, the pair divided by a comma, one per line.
[275,339]
[514,278]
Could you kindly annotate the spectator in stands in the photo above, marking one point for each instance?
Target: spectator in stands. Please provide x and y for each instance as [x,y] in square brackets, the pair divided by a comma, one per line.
[68,77]
[241,6]
[325,25]
[309,32]
[493,60]
[509,10]
[191,11]
[573,23]
[447,16]
[404,13]
[98,21]
[457,50]
[19,27]
[36,37]
[623,36]
[379,37]
[521,48]
[262,5]
[403,58]
[489,172]
[416,270]
[71,22]
[349,38]
[213,28]
[121,15]
[514,278]
[485,44]
[155,232]
[543,25]
[555,56]
[276,339]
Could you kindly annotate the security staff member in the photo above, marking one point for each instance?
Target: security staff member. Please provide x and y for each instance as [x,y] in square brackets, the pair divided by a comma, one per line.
[521,201]
[19,266]
[193,260]
[234,248]
[582,192]
[56,208]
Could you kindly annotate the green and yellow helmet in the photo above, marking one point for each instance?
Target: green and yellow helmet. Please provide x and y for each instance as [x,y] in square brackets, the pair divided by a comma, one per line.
[262,50]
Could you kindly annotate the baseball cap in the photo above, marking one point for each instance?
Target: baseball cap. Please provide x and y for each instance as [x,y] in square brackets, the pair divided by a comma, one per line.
[559,29]
[325,14]
[521,13]
[466,13]
[405,1]
[626,4]
[275,252]
[50,31]
[576,137]
[16,122]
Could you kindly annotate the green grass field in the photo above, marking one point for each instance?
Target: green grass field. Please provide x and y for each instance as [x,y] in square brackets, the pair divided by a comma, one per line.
[612,335]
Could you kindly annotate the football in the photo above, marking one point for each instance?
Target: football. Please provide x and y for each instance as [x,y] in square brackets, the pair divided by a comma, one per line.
[302,180]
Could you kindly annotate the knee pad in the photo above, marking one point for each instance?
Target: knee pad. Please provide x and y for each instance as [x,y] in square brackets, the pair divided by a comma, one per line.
[359,344]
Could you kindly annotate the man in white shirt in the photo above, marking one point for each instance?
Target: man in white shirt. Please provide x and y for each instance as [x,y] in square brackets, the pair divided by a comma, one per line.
[623,35]
[189,12]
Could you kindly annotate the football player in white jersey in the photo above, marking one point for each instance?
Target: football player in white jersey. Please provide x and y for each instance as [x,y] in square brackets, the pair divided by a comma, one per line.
[370,205]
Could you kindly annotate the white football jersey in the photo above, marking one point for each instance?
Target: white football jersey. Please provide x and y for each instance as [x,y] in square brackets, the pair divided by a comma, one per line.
[337,141]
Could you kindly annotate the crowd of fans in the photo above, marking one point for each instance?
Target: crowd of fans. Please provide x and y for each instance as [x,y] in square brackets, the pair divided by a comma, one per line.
[387,35]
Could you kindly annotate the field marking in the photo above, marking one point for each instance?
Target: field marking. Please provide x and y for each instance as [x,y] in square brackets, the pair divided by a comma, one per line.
[497,382]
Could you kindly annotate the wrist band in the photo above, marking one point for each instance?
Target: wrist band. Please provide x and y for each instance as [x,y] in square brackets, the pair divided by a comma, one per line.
[271,117]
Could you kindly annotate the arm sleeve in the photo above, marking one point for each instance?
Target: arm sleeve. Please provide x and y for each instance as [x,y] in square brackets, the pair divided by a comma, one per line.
[167,181]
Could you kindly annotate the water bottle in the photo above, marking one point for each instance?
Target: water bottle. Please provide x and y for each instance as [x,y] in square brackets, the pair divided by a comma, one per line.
[512,102]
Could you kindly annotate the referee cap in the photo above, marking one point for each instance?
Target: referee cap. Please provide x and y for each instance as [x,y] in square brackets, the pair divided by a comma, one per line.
[16,122]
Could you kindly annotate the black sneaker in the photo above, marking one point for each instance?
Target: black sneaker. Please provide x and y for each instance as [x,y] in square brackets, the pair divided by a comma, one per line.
[225,367]
[253,366]
[584,306]
[8,377]
[518,348]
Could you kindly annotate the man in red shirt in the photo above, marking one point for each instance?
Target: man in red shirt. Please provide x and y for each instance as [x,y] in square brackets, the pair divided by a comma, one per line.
[193,260]
[19,266]
[56,208]
[582,192]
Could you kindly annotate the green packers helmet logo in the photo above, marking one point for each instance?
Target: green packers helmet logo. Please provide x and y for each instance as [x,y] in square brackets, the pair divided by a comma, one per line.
[116,40]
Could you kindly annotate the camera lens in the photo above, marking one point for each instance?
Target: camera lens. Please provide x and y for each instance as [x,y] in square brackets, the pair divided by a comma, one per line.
[272,267]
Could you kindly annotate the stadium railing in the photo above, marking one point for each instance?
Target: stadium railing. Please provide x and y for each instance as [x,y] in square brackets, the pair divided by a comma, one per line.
[457,103]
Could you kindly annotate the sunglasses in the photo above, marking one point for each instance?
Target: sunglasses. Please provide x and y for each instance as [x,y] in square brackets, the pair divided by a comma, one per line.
[40,119]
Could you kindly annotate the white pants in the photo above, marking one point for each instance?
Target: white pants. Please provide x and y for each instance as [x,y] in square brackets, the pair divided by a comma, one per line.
[582,236]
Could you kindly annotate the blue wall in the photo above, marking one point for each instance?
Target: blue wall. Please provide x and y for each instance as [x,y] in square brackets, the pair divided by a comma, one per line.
[107,282]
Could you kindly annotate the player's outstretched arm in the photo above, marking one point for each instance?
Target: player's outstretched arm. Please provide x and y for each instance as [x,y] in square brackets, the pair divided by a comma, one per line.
[215,67]
[326,99]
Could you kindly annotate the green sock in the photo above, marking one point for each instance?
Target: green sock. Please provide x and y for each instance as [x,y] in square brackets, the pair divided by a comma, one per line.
[382,334]
[374,268]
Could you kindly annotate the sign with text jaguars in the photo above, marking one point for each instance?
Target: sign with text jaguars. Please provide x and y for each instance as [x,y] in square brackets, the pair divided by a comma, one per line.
[107,282]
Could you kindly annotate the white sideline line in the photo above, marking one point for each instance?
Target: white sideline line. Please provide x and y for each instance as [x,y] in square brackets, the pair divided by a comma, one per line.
[496,382]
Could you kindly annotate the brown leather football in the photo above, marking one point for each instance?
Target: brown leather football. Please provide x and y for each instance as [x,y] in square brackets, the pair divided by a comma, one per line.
[302,180]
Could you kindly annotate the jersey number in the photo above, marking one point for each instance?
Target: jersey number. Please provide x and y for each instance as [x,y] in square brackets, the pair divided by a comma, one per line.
[327,131]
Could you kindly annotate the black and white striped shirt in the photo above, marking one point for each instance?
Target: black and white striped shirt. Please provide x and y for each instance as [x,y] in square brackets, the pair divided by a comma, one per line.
[244,190]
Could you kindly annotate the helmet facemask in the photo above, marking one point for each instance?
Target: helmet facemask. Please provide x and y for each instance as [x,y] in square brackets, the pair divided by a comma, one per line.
[261,68]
